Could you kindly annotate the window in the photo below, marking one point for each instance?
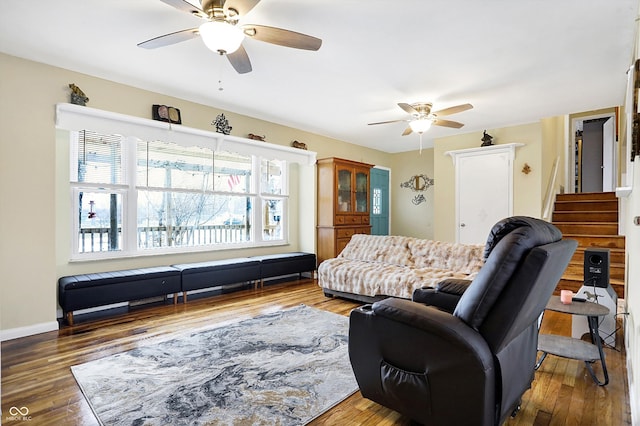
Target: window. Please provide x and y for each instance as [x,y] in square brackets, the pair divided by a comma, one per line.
[135,197]
[98,173]
[376,205]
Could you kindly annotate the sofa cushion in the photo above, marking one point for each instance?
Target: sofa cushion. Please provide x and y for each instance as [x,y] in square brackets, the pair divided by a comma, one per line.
[464,258]
[74,282]
[273,265]
[216,273]
[104,288]
[390,249]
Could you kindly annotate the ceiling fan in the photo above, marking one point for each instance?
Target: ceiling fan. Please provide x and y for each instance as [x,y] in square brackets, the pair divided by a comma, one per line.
[422,117]
[221,33]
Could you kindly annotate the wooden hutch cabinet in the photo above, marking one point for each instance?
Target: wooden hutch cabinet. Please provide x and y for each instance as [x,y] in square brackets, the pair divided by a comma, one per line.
[343,204]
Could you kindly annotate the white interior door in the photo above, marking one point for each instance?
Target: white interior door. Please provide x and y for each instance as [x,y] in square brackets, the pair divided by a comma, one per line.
[484,183]
[608,156]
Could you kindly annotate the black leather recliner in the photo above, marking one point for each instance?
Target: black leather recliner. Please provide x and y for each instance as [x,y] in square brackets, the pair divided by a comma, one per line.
[468,357]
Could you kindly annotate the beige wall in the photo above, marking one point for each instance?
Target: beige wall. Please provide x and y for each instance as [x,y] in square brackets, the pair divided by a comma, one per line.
[34,163]
[526,187]
[632,293]
[408,218]
[27,215]
[553,147]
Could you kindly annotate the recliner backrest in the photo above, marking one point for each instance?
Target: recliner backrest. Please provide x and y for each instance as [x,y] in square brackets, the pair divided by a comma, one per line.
[525,297]
[508,245]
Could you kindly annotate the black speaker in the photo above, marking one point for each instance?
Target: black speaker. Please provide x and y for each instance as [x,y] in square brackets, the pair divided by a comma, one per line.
[596,267]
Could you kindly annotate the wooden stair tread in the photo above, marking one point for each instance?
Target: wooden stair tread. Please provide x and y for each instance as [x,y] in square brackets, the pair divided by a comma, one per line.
[566,235]
[586,200]
[611,264]
[616,261]
[612,242]
[584,211]
[559,222]
[587,196]
[611,249]
[580,278]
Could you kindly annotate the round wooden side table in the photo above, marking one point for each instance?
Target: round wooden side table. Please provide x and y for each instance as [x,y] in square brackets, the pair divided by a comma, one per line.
[569,347]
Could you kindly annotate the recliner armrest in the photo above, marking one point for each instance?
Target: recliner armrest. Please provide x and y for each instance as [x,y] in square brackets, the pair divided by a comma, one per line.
[429,319]
[444,296]
[453,286]
[406,356]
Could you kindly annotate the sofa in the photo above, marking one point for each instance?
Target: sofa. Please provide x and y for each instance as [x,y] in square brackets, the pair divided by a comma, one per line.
[372,267]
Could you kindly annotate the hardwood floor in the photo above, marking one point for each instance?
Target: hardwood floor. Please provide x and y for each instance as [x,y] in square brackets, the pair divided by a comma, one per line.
[36,370]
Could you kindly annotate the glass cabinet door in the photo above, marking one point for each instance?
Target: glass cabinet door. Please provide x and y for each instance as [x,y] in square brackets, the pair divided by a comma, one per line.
[362,196]
[344,190]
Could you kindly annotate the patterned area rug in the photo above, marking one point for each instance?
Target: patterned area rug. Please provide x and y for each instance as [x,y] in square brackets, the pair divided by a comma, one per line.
[284,368]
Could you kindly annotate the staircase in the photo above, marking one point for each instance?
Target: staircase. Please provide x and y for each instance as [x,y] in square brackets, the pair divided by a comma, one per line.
[592,220]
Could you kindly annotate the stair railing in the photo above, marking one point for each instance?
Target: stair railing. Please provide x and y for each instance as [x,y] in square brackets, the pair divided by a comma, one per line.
[550,193]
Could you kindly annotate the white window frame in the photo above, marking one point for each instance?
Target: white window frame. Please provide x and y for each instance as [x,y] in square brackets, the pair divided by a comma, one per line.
[75,118]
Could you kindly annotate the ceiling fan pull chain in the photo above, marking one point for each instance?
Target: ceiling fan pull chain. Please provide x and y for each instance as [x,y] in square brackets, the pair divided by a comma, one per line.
[420,143]
[220,88]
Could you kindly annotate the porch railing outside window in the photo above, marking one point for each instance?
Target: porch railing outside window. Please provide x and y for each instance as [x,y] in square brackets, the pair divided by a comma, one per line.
[179,196]
[100,239]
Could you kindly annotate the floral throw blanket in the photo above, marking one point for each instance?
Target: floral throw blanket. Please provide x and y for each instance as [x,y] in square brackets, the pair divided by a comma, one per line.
[391,265]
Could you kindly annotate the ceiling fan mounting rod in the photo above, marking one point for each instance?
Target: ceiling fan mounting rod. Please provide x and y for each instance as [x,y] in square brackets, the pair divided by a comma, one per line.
[216,12]
[423,108]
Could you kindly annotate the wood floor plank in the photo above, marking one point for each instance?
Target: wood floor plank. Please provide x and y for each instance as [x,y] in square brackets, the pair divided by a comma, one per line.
[36,369]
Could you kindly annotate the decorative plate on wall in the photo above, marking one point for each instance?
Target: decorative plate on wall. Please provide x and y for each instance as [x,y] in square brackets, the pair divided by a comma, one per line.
[167,113]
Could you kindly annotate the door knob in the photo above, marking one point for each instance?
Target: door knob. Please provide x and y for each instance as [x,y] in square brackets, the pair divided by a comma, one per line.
[462,225]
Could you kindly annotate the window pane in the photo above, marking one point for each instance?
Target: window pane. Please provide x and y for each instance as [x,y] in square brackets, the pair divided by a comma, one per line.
[99,158]
[233,172]
[168,165]
[271,176]
[185,219]
[376,207]
[100,222]
[272,223]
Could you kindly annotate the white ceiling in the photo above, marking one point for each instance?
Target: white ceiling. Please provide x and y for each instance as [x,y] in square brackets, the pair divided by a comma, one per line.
[515,61]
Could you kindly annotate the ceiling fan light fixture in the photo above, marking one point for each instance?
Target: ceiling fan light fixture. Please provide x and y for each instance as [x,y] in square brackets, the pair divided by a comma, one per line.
[221,36]
[420,125]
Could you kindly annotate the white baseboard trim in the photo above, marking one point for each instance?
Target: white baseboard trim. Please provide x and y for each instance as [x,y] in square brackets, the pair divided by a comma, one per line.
[30,330]
[633,401]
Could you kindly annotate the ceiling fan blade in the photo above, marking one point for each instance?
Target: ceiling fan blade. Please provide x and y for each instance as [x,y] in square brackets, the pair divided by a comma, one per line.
[240,60]
[282,37]
[407,131]
[242,6]
[408,108]
[453,110]
[185,6]
[387,122]
[447,123]
[171,38]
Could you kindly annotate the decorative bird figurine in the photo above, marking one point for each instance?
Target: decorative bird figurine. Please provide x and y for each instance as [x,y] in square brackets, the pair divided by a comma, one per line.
[77,95]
